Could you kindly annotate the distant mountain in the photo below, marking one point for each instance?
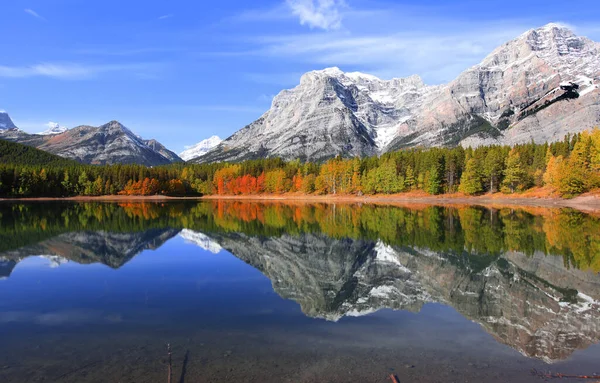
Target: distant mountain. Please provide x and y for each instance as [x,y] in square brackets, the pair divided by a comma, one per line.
[539,86]
[110,143]
[5,121]
[53,128]
[200,148]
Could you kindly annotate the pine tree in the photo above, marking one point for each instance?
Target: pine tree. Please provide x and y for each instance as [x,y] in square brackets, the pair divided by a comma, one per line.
[470,182]
[433,184]
[514,175]
[492,167]
[409,179]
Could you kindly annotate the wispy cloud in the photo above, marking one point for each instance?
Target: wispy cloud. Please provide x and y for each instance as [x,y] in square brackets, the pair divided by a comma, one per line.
[124,51]
[216,108]
[34,14]
[323,14]
[168,16]
[437,57]
[280,79]
[73,71]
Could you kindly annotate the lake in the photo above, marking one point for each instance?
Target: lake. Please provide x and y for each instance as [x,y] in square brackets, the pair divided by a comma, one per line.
[273,292]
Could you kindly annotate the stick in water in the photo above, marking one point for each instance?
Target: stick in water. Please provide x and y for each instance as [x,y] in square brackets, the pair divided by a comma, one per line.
[169,355]
[393,377]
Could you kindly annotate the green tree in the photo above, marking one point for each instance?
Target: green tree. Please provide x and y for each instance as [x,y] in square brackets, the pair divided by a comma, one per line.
[514,175]
[470,182]
[492,167]
[433,181]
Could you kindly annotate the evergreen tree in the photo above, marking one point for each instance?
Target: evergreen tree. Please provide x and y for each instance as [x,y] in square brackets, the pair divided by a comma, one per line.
[409,179]
[470,182]
[514,175]
[492,167]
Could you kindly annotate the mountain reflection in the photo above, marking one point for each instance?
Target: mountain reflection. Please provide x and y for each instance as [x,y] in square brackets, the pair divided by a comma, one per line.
[529,277]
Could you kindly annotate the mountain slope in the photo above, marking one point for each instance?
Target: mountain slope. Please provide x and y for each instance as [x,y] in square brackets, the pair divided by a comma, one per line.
[514,95]
[110,143]
[14,153]
[161,149]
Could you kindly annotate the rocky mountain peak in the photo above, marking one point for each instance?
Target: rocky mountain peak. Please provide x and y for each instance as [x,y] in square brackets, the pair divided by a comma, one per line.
[5,121]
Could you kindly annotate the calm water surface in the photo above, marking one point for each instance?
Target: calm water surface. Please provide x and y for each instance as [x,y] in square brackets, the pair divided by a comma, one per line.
[247,292]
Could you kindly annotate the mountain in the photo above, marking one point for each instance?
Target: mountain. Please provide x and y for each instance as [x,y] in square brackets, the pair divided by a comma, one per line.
[531,303]
[110,143]
[200,148]
[161,149]
[53,128]
[539,86]
[5,121]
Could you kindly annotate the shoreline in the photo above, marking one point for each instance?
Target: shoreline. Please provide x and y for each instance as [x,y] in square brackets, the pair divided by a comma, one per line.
[589,202]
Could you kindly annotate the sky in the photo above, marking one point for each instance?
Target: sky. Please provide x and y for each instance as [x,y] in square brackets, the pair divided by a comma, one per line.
[181,71]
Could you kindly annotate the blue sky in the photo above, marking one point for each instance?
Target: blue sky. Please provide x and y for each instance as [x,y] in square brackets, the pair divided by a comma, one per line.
[181,71]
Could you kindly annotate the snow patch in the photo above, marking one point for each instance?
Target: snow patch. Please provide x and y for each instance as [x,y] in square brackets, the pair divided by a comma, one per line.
[53,128]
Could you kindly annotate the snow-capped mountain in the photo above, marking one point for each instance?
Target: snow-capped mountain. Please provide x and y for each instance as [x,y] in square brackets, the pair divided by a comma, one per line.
[5,121]
[200,148]
[107,144]
[53,128]
[201,240]
[514,95]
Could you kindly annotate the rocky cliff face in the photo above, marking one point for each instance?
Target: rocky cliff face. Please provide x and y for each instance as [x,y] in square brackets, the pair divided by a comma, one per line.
[533,304]
[110,143]
[513,96]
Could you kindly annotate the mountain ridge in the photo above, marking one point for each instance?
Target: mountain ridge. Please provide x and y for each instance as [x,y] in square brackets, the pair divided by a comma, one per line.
[514,95]
[106,144]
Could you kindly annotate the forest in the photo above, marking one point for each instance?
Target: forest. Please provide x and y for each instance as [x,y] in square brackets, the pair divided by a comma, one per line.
[568,168]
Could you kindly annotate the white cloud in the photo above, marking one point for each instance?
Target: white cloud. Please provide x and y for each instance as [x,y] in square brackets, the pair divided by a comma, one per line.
[436,57]
[34,14]
[166,16]
[323,14]
[70,71]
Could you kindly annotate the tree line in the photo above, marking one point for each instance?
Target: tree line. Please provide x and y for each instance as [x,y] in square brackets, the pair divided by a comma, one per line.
[568,167]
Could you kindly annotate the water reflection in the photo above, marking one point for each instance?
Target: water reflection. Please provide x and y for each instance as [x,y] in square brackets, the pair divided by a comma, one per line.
[529,277]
